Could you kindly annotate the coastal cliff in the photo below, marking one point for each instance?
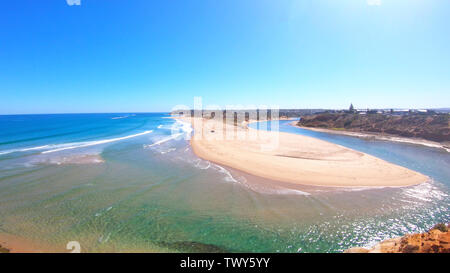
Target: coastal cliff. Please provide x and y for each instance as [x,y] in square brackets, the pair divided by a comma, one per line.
[437,240]
[429,127]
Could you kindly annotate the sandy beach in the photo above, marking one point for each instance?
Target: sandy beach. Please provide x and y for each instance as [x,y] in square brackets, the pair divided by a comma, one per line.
[294,158]
[17,244]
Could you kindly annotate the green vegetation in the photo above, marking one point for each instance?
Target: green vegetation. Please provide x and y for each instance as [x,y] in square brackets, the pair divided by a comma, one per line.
[351,109]
[433,127]
[441,226]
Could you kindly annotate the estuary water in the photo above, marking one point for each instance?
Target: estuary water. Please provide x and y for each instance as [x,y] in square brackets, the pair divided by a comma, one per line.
[130,182]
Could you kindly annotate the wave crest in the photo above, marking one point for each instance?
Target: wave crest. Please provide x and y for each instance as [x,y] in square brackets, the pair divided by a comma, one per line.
[51,148]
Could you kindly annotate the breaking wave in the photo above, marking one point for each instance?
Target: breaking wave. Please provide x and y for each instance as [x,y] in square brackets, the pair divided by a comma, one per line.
[426,192]
[290,191]
[51,148]
[182,126]
[121,117]
[92,143]
[179,128]
[69,160]
[159,142]
[228,176]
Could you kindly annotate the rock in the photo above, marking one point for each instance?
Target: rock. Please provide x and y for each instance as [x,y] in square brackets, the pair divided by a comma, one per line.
[3,250]
[357,250]
[433,241]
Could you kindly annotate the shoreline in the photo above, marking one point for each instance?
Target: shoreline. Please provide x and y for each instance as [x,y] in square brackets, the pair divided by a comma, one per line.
[379,136]
[19,244]
[436,240]
[298,159]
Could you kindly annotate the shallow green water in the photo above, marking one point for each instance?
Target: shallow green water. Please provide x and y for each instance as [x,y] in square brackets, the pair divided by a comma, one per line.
[163,198]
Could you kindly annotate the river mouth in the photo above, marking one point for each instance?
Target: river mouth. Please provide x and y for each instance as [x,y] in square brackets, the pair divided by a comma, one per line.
[162,198]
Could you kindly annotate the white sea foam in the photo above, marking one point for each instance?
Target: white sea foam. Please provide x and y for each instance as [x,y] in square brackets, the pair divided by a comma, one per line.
[92,143]
[24,149]
[126,116]
[168,150]
[103,211]
[51,148]
[35,148]
[44,147]
[228,176]
[179,128]
[290,191]
[159,142]
[426,192]
[176,127]
[203,164]
[71,159]
[182,126]
[363,188]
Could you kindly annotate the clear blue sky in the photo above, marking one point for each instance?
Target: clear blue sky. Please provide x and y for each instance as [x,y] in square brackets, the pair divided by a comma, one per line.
[126,56]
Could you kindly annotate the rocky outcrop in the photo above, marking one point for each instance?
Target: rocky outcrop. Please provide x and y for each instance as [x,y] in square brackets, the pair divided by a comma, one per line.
[433,241]
[434,127]
[3,250]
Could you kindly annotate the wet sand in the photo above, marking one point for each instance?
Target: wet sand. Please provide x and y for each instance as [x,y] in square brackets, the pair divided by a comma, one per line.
[14,244]
[294,158]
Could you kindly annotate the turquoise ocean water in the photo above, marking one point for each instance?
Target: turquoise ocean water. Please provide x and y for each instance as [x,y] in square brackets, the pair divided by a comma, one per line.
[130,182]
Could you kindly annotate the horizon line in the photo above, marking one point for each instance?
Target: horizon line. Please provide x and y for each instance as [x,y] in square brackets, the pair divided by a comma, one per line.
[164,112]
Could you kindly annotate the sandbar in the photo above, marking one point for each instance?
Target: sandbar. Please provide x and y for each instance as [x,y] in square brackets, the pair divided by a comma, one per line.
[294,158]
